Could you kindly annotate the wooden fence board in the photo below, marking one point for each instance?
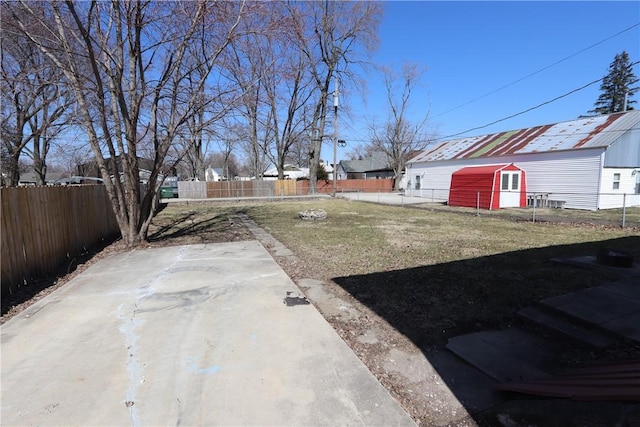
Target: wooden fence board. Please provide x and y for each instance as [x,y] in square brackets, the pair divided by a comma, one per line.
[349,185]
[276,188]
[12,246]
[192,190]
[285,188]
[43,227]
[226,189]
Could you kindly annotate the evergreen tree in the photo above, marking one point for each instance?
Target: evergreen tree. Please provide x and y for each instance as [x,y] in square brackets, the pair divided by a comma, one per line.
[322,174]
[619,82]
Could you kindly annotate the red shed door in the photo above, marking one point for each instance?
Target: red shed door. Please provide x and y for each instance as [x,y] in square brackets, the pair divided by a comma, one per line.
[510,189]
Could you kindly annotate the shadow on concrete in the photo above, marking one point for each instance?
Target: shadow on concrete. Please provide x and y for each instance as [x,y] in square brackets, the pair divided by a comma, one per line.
[433,303]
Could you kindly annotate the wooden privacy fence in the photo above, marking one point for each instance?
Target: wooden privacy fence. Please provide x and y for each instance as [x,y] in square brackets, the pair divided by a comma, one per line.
[276,188]
[44,227]
[350,185]
[233,189]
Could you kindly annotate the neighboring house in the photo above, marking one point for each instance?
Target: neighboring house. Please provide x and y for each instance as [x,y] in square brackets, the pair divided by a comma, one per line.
[29,178]
[213,174]
[375,166]
[79,180]
[90,169]
[590,163]
[290,172]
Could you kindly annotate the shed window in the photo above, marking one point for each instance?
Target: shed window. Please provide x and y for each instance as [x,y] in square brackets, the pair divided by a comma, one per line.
[616,181]
[515,181]
[505,181]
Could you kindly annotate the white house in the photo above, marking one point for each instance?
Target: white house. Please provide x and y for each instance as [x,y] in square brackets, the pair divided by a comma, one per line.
[290,172]
[590,163]
[213,174]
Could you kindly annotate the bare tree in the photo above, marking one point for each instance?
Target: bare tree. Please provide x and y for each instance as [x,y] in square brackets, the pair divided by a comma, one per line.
[35,100]
[298,153]
[250,62]
[228,141]
[288,90]
[331,36]
[213,101]
[361,151]
[252,146]
[196,127]
[284,68]
[272,72]
[68,156]
[136,83]
[399,136]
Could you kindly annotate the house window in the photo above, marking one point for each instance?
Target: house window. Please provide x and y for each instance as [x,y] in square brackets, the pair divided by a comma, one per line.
[616,181]
[637,183]
[417,182]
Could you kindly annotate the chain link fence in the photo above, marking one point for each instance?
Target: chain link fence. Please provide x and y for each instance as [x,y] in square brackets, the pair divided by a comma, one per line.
[623,209]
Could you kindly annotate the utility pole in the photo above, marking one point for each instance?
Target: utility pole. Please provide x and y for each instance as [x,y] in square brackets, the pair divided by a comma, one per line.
[335,135]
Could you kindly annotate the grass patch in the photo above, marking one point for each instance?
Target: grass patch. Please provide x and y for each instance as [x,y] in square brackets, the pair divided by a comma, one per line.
[609,217]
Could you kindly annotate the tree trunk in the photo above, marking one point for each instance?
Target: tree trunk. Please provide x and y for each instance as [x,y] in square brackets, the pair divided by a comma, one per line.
[314,161]
[14,169]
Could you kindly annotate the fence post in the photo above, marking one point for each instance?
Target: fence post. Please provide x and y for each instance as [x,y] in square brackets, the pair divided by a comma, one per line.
[432,190]
[535,202]
[624,209]
[478,204]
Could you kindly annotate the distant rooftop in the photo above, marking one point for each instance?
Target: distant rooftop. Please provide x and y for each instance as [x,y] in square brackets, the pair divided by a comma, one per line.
[377,161]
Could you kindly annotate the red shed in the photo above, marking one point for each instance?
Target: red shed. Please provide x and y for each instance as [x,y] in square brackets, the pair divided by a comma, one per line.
[490,187]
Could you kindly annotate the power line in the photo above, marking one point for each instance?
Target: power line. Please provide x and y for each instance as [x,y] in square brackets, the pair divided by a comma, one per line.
[537,72]
[528,109]
[635,127]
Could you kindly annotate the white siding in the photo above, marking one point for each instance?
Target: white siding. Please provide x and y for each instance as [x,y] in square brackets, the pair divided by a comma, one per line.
[625,151]
[625,194]
[435,179]
[570,176]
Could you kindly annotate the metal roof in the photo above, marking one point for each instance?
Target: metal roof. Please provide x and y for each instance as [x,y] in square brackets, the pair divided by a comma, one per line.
[589,132]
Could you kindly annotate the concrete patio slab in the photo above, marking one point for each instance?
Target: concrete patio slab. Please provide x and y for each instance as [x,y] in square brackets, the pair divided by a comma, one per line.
[614,307]
[189,335]
[510,354]
[564,325]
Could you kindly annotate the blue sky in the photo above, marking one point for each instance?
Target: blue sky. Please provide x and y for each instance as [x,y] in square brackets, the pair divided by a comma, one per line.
[471,49]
